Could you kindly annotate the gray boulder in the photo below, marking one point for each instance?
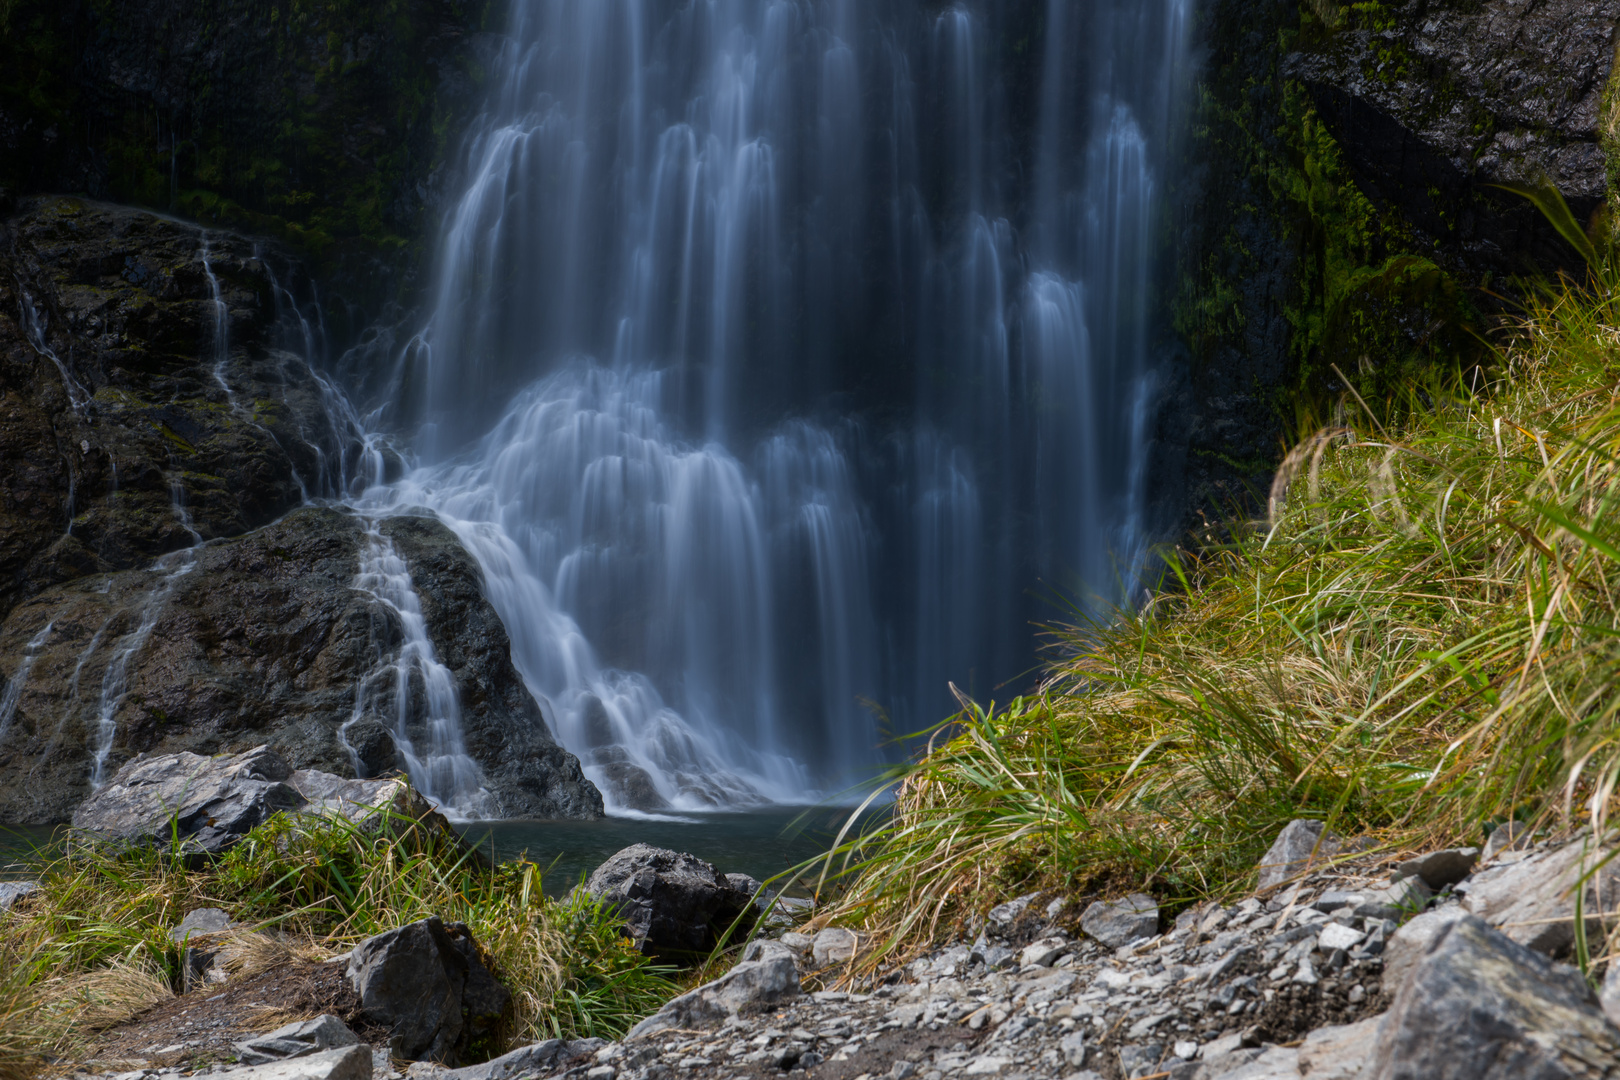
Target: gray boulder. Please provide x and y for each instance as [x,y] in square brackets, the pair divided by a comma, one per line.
[204,804]
[296,1040]
[1532,897]
[1480,1006]
[1301,845]
[343,1063]
[1122,921]
[767,977]
[426,984]
[13,891]
[1411,943]
[539,1058]
[1508,836]
[674,905]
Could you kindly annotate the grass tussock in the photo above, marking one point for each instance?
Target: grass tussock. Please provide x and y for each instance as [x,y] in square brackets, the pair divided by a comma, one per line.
[92,947]
[1420,641]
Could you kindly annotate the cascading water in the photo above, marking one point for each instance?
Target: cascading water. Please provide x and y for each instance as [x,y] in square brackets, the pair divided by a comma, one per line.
[19,678]
[431,744]
[780,350]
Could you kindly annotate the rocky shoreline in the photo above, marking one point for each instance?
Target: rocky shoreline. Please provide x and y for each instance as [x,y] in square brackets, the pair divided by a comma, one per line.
[1348,963]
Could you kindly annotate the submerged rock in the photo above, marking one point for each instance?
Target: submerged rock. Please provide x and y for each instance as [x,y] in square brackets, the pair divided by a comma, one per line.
[264,640]
[673,905]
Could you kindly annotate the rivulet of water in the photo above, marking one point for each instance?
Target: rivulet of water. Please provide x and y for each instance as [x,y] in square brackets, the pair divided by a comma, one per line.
[19,679]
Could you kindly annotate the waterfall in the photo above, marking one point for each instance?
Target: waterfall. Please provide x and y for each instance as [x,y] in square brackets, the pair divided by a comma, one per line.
[434,754]
[19,679]
[781,353]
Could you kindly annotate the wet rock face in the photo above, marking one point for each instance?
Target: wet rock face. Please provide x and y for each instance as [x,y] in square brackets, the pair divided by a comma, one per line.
[265,639]
[117,407]
[1443,96]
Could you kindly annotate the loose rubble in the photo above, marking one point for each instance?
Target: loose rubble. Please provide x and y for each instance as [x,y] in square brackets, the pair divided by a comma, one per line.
[1363,968]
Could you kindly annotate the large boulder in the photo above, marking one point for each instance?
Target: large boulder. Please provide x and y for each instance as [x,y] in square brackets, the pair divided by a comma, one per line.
[427,985]
[204,804]
[1432,100]
[342,1063]
[265,640]
[1480,1006]
[673,905]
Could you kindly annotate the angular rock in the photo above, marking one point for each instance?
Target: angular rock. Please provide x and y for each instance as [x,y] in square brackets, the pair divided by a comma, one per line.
[538,1058]
[202,921]
[751,986]
[204,804]
[426,984]
[1441,868]
[345,1063]
[1532,899]
[1300,846]
[1009,912]
[1480,1006]
[1412,942]
[1508,836]
[299,1039]
[1609,996]
[673,905]
[835,945]
[1045,952]
[1121,922]
[1432,104]
[1337,1052]
[13,891]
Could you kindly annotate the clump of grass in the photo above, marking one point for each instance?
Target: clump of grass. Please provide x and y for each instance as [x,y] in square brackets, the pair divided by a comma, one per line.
[93,943]
[1421,640]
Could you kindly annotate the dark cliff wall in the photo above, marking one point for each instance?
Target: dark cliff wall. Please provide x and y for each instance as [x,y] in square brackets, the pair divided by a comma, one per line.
[1337,225]
[323,123]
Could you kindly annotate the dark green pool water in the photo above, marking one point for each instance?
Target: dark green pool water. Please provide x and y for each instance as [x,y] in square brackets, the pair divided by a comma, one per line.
[762,843]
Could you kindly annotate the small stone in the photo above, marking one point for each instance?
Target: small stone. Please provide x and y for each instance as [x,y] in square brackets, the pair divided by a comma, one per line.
[1335,899]
[1508,836]
[12,891]
[800,942]
[1045,952]
[1186,1050]
[1301,845]
[202,921]
[1005,914]
[834,945]
[1073,1048]
[1306,975]
[601,1072]
[1055,908]
[1119,923]
[1357,994]
[1338,936]
[1441,868]
[902,1070]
